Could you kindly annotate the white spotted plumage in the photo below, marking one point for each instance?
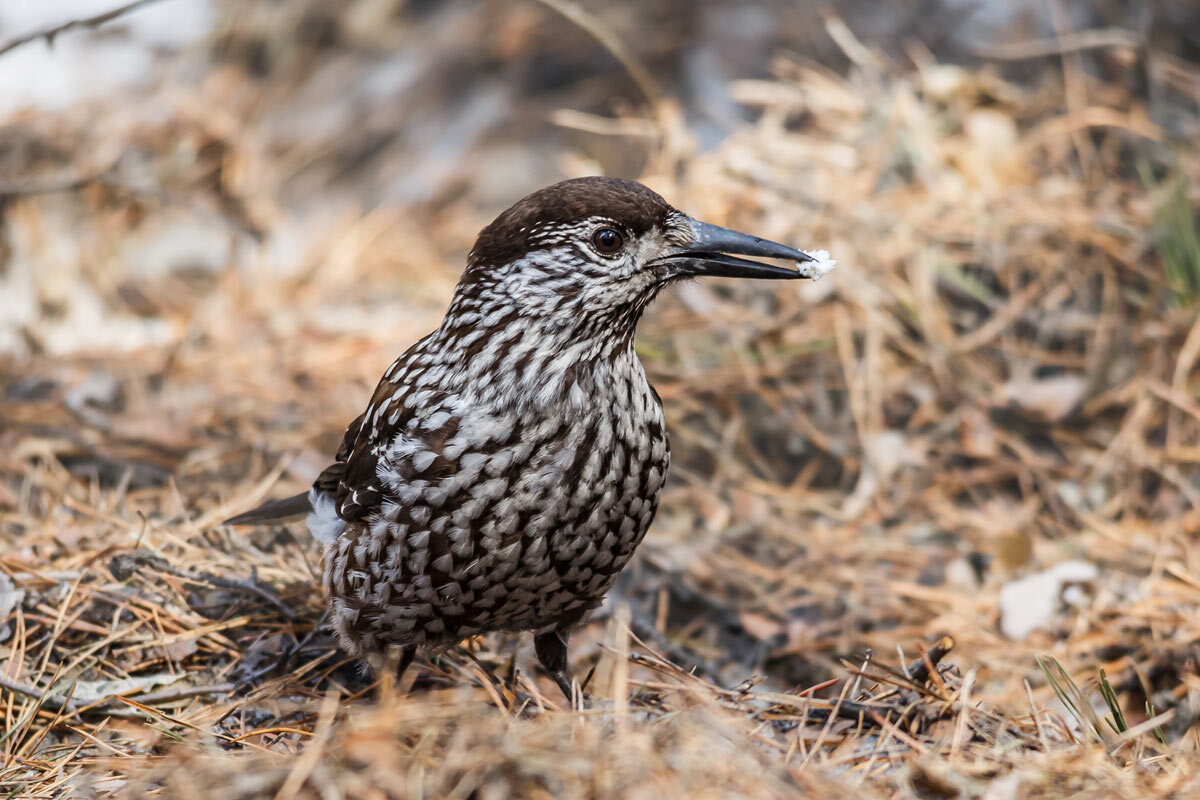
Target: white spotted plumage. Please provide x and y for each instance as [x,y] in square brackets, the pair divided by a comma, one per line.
[512,466]
[509,463]
[518,451]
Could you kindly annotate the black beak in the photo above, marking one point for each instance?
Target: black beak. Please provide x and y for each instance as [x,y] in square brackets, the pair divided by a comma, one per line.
[714,251]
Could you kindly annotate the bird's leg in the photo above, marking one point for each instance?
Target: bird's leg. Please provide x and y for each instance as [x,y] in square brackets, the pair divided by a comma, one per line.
[407,654]
[551,648]
[387,669]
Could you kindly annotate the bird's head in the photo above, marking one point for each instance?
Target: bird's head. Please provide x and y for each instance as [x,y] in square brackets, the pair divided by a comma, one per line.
[587,255]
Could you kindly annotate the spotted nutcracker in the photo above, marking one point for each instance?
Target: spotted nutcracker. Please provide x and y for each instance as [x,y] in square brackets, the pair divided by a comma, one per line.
[509,463]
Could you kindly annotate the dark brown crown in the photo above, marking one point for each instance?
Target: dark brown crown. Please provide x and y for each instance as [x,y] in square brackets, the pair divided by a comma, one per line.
[627,203]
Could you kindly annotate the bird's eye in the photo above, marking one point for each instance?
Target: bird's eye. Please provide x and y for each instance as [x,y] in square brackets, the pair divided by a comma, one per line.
[608,241]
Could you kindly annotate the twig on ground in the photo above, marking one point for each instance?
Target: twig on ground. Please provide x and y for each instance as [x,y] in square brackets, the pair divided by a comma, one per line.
[51,33]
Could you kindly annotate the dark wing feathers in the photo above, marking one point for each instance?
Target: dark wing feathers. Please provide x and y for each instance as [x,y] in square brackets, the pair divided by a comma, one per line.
[351,479]
[358,492]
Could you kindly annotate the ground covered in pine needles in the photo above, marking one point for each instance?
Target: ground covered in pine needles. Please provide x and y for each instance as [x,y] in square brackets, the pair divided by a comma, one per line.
[932,524]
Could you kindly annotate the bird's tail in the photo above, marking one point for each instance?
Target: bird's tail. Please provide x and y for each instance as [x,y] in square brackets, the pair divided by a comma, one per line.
[274,511]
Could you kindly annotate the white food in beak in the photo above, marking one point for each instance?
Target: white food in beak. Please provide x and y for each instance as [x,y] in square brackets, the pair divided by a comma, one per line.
[816,268]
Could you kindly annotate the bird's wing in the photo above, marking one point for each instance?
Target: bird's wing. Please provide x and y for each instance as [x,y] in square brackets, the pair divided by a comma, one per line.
[353,481]
[382,435]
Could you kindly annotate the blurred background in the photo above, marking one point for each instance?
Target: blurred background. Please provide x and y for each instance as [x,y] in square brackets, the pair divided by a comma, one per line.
[220,221]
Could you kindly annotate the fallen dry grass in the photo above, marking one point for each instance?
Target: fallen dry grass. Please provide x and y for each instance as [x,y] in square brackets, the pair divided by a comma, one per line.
[879,477]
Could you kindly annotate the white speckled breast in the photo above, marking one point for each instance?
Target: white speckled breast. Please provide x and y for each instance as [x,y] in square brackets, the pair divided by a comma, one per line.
[493,516]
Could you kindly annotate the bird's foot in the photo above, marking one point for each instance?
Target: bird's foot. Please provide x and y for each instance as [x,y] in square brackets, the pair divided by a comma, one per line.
[576,699]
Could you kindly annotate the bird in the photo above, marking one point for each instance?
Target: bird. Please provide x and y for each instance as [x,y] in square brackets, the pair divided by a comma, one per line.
[509,463]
